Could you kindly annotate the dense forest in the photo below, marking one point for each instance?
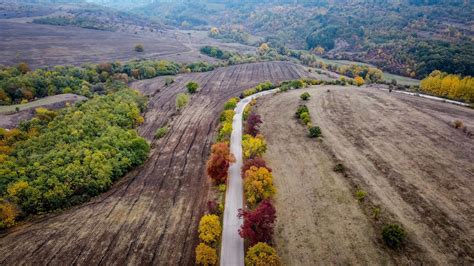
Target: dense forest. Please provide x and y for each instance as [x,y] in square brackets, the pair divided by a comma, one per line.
[59,159]
[411,38]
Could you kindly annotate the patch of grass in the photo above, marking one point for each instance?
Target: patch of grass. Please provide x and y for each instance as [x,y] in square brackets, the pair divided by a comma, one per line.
[161,132]
[360,195]
[393,235]
[375,213]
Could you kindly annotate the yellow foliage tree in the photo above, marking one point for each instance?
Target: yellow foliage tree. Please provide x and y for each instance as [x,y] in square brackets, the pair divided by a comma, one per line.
[263,49]
[209,228]
[206,255]
[14,189]
[253,146]
[8,214]
[448,85]
[359,81]
[262,254]
[227,116]
[258,185]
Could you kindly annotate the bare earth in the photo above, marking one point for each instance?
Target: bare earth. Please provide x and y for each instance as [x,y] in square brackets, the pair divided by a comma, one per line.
[150,217]
[400,149]
[47,45]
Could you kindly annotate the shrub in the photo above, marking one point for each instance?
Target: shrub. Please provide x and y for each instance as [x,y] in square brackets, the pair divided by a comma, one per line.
[161,132]
[225,131]
[182,100]
[314,132]
[458,124]
[227,116]
[375,213]
[213,207]
[305,96]
[206,255]
[359,81]
[192,87]
[360,195]
[139,48]
[339,168]
[209,228]
[305,118]
[231,104]
[253,124]
[258,185]
[218,164]
[253,146]
[262,254]
[393,235]
[301,109]
[258,224]
[169,81]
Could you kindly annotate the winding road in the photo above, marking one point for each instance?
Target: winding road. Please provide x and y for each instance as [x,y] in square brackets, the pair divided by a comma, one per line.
[232,251]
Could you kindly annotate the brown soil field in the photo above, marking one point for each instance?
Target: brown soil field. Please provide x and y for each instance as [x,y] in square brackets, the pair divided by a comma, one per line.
[47,45]
[400,149]
[150,216]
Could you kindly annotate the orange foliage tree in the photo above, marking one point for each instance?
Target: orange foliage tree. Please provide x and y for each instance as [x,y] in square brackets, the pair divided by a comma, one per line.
[218,164]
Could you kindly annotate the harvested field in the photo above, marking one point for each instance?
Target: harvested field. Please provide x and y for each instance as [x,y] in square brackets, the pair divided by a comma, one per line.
[151,215]
[400,149]
[9,118]
[47,45]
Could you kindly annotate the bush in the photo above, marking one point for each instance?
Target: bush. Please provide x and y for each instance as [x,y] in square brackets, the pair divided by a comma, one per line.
[305,118]
[360,195]
[262,254]
[314,132]
[301,109]
[393,235]
[231,104]
[169,81]
[182,100]
[192,87]
[339,168]
[305,96]
[139,48]
[458,124]
[161,132]
[359,81]
[206,255]
[209,228]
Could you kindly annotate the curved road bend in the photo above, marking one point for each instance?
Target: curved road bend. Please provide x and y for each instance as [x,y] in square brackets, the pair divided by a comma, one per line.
[232,251]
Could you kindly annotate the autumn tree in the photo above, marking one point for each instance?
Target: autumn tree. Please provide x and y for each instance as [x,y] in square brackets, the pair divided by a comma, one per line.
[24,68]
[359,81]
[218,164]
[231,104]
[257,162]
[258,224]
[8,214]
[263,49]
[258,185]
[253,124]
[209,228]
[206,255]
[182,100]
[253,146]
[262,254]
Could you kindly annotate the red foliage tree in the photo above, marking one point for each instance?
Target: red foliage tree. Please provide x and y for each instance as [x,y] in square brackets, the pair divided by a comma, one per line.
[257,162]
[258,224]
[219,163]
[252,126]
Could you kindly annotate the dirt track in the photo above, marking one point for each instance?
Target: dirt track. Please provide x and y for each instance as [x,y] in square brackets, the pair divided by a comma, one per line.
[151,215]
[399,149]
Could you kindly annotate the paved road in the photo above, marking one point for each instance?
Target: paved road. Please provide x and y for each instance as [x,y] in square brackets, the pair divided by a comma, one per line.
[232,251]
